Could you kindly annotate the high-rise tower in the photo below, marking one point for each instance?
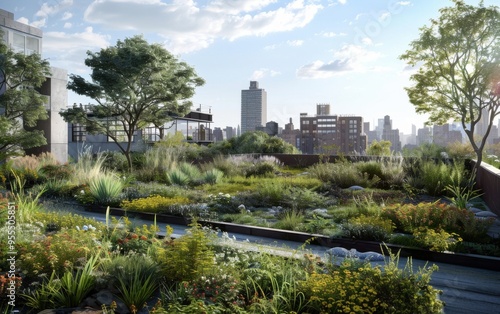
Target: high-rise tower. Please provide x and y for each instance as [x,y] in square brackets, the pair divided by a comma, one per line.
[253,107]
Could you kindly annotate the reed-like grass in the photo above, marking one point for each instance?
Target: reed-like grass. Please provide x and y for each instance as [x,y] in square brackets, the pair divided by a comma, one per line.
[105,188]
[27,204]
[87,167]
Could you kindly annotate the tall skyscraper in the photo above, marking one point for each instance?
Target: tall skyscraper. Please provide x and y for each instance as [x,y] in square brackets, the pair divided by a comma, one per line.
[253,107]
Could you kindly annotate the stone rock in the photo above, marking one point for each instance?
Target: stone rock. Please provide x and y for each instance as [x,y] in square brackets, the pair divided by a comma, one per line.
[352,253]
[475,210]
[106,297]
[372,256]
[87,311]
[486,214]
[342,252]
[355,188]
[321,212]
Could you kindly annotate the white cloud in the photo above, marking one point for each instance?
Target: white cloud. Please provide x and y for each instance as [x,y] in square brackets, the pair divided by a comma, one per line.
[367,41]
[263,72]
[67,16]
[332,34]
[39,23]
[188,26]
[295,43]
[67,25]
[47,10]
[403,3]
[70,49]
[23,20]
[342,1]
[237,6]
[350,58]
[270,47]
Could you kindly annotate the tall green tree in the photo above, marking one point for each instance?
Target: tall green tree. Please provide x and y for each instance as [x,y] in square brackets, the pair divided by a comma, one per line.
[134,84]
[458,59]
[382,148]
[21,104]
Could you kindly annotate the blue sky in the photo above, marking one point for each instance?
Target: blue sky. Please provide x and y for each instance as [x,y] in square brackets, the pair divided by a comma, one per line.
[302,52]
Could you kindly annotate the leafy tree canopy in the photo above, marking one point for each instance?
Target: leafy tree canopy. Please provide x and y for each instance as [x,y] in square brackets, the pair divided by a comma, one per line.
[458,60]
[136,84]
[379,148]
[21,105]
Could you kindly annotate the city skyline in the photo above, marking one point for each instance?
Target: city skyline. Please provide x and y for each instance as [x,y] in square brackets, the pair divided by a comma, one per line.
[302,52]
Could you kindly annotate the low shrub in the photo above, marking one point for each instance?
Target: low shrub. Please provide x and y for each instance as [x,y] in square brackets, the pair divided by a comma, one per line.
[284,193]
[262,169]
[438,241]
[188,257]
[159,204]
[222,203]
[342,174]
[217,288]
[57,252]
[363,288]
[62,220]
[369,228]
[56,172]
[115,161]
[290,220]
[241,218]
[409,217]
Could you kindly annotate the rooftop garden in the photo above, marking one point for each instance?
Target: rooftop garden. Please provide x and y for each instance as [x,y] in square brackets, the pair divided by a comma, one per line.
[64,260]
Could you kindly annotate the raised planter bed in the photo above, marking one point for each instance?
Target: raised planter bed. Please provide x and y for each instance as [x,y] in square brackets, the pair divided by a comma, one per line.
[470,260]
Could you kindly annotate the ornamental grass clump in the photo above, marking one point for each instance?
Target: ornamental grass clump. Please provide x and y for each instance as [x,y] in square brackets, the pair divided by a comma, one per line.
[290,220]
[87,166]
[435,177]
[271,284]
[105,188]
[66,291]
[212,176]
[177,177]
[136,277]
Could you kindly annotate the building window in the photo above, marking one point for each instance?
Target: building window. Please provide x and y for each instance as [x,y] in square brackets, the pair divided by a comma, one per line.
[25,44]
[78,133]
[31,45]
[116,128]
[305,121]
